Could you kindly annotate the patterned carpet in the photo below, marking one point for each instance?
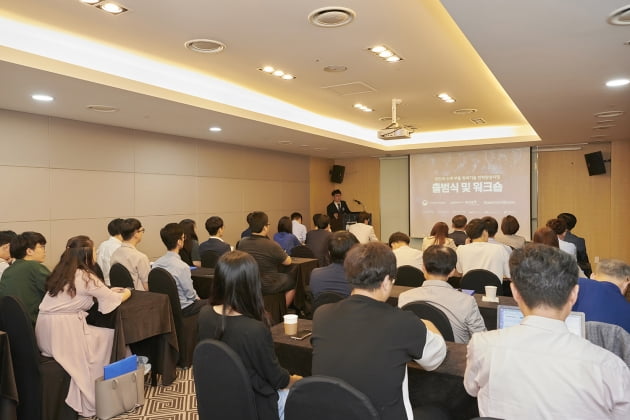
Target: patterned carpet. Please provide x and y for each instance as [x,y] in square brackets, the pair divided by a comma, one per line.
[174,402]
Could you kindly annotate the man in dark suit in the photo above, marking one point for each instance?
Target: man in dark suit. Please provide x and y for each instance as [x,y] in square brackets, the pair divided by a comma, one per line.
[214,226]
[332,278]
[580,243]
[317,240]
[336,211]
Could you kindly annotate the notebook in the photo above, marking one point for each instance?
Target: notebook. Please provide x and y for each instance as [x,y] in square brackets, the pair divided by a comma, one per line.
[508,316]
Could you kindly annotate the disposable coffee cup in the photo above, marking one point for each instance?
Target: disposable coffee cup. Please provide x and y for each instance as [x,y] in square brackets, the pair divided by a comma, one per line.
[491,292]
[290,324]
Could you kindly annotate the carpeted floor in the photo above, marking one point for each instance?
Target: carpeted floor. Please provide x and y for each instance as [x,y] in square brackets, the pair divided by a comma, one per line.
[174,402]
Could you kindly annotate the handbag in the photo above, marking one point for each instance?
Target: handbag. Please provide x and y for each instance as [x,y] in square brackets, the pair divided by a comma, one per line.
[120,394]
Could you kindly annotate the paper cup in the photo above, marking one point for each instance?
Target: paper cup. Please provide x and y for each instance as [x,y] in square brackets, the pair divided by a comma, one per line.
[290,324]
[491,292]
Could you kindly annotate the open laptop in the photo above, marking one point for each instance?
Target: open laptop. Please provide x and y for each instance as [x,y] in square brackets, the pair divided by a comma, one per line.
[511,315]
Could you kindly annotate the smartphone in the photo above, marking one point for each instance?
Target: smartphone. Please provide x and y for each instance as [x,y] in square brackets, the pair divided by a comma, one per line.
[302,334]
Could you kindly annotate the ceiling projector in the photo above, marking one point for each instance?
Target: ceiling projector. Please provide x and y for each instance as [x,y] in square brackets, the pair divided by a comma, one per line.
[394,131]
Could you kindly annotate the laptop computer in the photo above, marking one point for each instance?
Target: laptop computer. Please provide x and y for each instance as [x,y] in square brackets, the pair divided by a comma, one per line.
[511,315]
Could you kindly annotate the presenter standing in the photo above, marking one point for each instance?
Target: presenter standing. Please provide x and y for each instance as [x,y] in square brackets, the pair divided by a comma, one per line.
[337,210]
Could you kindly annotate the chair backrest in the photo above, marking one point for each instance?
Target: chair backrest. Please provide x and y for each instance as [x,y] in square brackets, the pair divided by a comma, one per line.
[327,297]
[478,279]
[15,321]
[161,281]
[323,397]
[302,251]
[408,275]
[429,312]
[611,337]
[119,276]
[209,259]
[223,387]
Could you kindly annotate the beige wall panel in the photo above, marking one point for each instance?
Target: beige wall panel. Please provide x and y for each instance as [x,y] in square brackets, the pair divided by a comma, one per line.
[295,195]
[151,243]
[219,195]
[161,154]
[79,145]
[216,160]
[79,194]
[165,194]
[24,139]
[620,201]
[25,193]
[320,187]
[263,196]
[62,230]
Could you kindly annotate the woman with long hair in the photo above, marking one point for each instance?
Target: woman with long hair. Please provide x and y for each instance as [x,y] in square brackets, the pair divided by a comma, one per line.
[547,236]
[240,322]
[190,251]
[438,236]
[61,329]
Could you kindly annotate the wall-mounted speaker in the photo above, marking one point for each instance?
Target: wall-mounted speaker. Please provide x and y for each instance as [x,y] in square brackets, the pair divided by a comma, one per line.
[336,174]
[595,163]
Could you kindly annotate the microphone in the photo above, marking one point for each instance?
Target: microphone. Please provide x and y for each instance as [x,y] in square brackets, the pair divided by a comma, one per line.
[357,201]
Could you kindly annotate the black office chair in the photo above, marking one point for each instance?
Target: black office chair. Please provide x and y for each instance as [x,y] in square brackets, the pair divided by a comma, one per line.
[323,397]
[33,372]
[302,251]
[119,276]
[478,279]
[408,275]
[224,390]
[425,310]
[327,297]
[209,259]
[161,281]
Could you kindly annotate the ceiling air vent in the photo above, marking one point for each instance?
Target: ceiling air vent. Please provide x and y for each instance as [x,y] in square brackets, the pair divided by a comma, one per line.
[331,17]
[478,121]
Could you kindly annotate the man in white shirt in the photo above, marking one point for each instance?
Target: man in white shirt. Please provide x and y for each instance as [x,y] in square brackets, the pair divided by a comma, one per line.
[173,238]
[461,309]
[538,369]
[481,254]
[134,261]
[106,248]
[298,229]
[362,230]
[6,236]
[405,255]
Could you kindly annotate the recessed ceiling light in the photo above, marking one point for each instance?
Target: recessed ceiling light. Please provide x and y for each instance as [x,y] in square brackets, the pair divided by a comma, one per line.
[363,108]
[285,142]
[268,69]
[90,2]
[385,53]
[215,129]
[335,69]
[620,16]
[331,17]
[609,114]
[205,46]
[102,108]
[42,98]
[617,82]
[446,98]
[464,111]
[378,49]
[276,72]
[110,7]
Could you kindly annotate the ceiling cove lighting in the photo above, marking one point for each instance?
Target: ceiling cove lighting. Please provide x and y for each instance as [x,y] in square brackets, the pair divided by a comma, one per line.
[42,97]
[385,53]
[89,2]
[276,72]
[617,82]
[215,129]
[363,108]
[446,98]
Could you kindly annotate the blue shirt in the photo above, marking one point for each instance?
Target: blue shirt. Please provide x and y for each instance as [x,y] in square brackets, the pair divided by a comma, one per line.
[287,241]
[180,271]
[602,301]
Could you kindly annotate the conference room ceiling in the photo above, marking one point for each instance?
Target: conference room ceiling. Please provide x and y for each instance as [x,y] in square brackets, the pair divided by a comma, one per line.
[533,71]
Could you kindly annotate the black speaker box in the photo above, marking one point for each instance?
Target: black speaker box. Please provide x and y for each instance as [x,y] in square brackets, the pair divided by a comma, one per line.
[595,163]
[336,174]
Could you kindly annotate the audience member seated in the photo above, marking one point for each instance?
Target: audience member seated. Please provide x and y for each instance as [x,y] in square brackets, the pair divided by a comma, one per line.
[602,298]
[215,228]
[546,236]
[128,255]
[460,308]
[559,226]
[62,331]
[269,256]
[492,227]
[317,240]
[438,236]
[297,228]
[173,238]
[580,243]
[247,232]
[479,253]
[26,278]
[458,235]
[405,255]
[508,236]
[332,278]
[191,244]
[284,237]
[362,229]
[6,236]
[106,248]
[240,323]
[367,342]
[539,369]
